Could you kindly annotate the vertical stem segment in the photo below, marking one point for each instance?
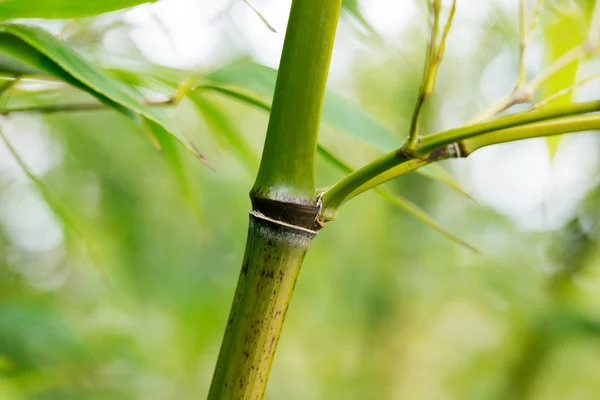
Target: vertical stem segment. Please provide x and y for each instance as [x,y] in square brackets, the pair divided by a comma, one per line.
[284,204]
[287,167]
[274,254]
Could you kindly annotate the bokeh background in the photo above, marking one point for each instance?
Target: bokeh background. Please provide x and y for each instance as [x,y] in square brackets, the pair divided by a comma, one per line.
[123,291]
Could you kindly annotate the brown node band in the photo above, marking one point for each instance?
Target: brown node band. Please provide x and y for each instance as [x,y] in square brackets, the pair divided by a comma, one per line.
[301,215]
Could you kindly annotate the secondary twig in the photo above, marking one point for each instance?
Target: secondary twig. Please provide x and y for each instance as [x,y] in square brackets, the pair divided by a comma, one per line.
[262,18]
[524,92]
[434,56]
[461,142]
[183,89]
[59,208]
[564,91]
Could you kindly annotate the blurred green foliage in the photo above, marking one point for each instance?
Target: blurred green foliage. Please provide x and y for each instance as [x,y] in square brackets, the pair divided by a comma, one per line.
[132,302]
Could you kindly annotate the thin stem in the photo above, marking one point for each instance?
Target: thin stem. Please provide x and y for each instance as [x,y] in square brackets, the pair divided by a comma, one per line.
[287,166]
[446,32]
[428,81]
[171,101]
[559,126]
[413,164]
[522,92]
[496,108]
[561,62]
[564,91]
[335,196]
[432,64]
[525,92]
[58,108]
[431,142]
[361,179]
[535,18]
[259,15]
[461,142]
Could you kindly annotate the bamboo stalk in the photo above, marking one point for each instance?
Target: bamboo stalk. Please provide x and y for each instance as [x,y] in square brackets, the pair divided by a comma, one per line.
[287,166]
[284,217]
[274,254]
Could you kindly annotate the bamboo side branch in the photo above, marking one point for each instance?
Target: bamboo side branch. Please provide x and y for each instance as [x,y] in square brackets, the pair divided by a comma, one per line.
[454,144]
[523,91]
[434,56]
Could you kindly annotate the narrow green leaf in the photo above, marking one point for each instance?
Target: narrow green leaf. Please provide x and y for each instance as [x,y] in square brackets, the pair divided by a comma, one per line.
[422,216]
[39,49]
[168,147]
[262,18]
[219,123]
[60,210]
[399,201]
[62,9]
[562,33]
[438,173]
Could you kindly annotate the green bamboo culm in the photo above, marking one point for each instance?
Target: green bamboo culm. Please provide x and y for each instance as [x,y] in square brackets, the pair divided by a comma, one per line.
[274,254]
[283,221]
[287,169]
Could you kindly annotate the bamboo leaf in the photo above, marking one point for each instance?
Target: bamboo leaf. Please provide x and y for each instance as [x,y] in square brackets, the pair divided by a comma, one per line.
[37,48]
[167,146]
[562,32]
[339,113]
[62,9]
[399,201]
[351,7]
[60,210]
[218,122]
[259,15]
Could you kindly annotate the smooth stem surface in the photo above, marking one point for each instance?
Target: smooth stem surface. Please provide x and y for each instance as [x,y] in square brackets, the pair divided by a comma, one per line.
[336,195]
[460,143]
[274,254]
[431,142]
[287,167]
[540,129]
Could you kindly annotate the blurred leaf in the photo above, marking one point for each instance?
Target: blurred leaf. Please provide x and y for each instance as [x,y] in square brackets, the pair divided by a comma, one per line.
[566,321]
[262,18]
[400,202]
[218,122]
[438,173]
[338,112]
[62,9]
[39,49]
[59,209]
[352,8]
[422,216]
[35,336]
[562,33]
[167,146]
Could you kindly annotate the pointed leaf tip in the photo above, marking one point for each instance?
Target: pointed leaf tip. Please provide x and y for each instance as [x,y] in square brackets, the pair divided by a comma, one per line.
[417,212]
[262,18]
[38,48]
